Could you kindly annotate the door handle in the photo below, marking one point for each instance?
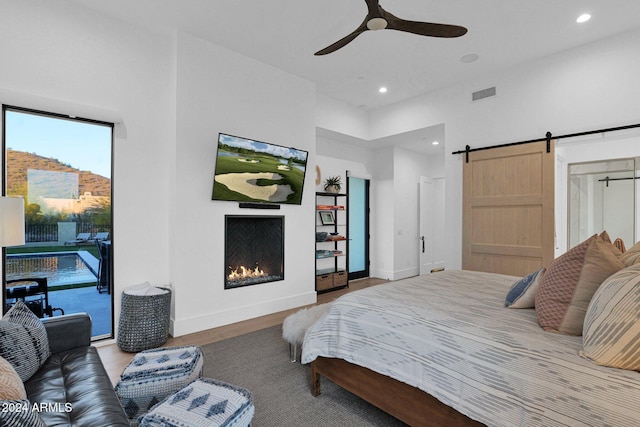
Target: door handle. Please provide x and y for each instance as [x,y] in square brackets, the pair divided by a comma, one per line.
[422,238]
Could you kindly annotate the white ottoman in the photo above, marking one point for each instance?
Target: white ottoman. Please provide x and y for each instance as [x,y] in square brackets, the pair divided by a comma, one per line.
[295,326]
[154,374]
[203,403]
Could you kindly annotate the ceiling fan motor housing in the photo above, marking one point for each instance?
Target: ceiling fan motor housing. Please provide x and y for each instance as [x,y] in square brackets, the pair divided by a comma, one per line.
[377,24]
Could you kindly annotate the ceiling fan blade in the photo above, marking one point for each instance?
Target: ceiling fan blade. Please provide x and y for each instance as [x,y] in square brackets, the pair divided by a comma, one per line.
[374,8]
[378,19]
[423,28]
[343,41]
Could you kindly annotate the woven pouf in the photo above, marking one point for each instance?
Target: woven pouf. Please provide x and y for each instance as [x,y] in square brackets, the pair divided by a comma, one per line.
[154,374]
[204,402]
[144,318]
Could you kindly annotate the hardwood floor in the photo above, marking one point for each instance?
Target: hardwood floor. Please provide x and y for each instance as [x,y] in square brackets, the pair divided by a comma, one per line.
[115,360]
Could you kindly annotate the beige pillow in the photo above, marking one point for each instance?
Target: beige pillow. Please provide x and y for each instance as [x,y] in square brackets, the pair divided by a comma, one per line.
[569,283]
[605,238]
[11,387]
[611,335]
[631,256]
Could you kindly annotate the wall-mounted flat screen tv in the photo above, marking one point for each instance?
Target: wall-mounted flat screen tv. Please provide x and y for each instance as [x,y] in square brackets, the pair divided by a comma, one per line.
[257,172]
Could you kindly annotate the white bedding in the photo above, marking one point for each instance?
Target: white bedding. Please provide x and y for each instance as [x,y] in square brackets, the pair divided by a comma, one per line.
[450,335]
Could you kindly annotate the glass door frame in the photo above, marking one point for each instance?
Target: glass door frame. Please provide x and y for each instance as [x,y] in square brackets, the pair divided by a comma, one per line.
[3,190]
[367,234]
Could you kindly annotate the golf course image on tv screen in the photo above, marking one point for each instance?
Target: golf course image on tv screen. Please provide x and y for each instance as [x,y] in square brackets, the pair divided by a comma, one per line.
[258,172]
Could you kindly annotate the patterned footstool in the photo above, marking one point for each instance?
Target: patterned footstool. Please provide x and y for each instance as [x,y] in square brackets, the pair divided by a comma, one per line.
[154,374]
[203,403]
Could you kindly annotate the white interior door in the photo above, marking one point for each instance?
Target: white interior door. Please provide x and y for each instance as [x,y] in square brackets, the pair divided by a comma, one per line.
[432,241]
[426,225]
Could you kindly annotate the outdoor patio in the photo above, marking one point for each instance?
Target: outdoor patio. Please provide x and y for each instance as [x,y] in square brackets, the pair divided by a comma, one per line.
[70,290]
[89,300]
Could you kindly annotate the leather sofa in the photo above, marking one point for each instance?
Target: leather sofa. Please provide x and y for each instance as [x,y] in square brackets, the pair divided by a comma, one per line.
[72,386]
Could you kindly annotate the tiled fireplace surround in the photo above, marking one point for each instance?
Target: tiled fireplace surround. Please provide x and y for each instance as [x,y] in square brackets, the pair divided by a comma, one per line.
[254,250]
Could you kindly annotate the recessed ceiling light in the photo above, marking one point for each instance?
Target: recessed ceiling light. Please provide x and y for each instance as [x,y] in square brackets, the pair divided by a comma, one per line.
[435,143]
[583,18]
[382,90]
[471,57]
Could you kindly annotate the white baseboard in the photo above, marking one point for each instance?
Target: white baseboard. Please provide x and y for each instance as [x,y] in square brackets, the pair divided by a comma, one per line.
[395,274]
[222,318]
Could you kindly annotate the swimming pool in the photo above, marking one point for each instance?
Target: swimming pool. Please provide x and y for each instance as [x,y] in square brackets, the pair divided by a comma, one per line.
[60,268]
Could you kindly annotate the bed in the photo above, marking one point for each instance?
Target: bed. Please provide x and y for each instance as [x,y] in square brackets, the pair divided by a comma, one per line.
[441,349]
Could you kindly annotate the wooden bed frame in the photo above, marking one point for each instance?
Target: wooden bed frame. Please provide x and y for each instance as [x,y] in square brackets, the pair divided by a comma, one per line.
[408,404]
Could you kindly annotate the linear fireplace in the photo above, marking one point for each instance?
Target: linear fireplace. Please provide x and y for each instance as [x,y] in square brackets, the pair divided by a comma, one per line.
[253,250]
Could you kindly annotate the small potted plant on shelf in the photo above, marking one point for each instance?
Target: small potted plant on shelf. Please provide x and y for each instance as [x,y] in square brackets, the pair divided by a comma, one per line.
[333,184]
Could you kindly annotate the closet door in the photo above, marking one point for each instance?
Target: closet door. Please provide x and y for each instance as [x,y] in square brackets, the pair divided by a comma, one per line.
[508,196]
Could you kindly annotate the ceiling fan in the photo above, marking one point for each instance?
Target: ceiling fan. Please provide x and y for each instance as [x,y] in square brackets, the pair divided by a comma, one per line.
[379,19]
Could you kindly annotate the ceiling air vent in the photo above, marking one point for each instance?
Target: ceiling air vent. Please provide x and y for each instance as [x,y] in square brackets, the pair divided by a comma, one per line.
[484,93]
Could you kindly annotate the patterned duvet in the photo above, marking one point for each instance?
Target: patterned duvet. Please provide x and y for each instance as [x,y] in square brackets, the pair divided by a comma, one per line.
[450,335]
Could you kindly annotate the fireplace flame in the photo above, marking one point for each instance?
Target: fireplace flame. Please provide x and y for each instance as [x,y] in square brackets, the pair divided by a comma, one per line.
[242,272]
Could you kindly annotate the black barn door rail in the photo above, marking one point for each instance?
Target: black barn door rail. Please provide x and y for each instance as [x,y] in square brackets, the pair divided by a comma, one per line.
[547,137]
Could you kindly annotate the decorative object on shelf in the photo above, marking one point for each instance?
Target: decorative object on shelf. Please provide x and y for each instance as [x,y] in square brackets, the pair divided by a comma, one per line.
[321,236]
[330,207]
[318,175]
[327,218]
[333,184]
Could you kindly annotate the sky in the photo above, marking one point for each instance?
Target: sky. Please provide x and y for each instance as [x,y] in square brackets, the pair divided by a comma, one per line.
[81,145]
[273,149]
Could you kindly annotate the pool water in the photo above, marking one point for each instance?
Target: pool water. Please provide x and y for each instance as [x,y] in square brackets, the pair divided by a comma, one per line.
[58,268]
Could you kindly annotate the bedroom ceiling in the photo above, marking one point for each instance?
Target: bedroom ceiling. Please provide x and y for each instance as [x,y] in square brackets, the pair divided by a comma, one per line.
[285,34]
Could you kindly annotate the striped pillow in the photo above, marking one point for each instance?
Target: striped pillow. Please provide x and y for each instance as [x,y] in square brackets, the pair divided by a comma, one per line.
[631,256]
[11,387]
[19,413]
[23,340]
[611,334]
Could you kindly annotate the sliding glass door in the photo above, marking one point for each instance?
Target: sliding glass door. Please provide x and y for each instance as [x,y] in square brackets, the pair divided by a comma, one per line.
[61,168]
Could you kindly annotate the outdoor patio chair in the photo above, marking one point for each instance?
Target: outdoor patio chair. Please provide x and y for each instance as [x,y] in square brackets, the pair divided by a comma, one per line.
[80,239]
[102,236]
[34,292]
[104,266]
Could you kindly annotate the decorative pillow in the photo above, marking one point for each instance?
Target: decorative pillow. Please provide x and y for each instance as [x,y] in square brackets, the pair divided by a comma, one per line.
[569,283]
[619,244]
[19,413]
[11,387]
[631,256]
[605,238]
[523,293]
[612,324]
[23,340]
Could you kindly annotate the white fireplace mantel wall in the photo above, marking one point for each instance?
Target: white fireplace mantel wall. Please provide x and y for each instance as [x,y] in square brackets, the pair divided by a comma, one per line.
[169,94]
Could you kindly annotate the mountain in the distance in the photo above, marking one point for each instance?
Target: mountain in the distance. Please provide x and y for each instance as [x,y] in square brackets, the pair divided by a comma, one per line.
[19,162]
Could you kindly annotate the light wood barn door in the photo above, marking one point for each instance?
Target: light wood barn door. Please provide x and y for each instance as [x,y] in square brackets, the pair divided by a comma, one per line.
[508,197]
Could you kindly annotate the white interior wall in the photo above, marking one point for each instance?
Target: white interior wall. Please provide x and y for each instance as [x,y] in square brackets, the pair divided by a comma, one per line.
[395,173]
[221,91]
[171,95]
[342,118]
[62,59]
[590,87]
[409,166]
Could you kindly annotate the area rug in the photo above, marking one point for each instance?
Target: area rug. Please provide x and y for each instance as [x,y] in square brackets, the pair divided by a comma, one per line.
[259,361]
